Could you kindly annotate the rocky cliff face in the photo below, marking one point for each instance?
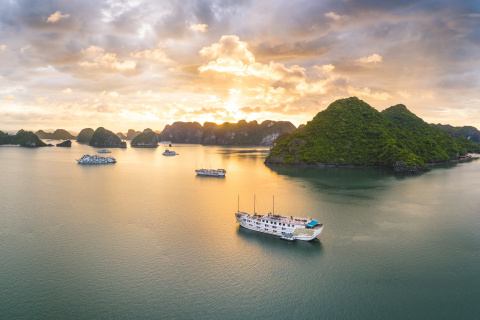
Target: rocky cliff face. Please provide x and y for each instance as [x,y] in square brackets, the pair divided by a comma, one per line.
[103,138]
[241,133]
[147,139]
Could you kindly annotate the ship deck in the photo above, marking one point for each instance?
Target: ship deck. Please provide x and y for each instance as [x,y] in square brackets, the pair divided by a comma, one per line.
[279,218]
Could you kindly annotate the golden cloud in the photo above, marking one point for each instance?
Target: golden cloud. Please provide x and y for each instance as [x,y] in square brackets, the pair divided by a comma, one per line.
[57,16]
[154,54]
[374,58]
[367,92]
[199,27]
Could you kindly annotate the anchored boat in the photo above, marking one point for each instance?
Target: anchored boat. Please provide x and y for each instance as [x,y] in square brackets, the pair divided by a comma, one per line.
[88,159]
[211,172]
[169,153]
[287,228]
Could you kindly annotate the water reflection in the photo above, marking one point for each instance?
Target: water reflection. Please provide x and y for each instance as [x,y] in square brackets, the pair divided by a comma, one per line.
[244,153]
[273,243]
[210,177]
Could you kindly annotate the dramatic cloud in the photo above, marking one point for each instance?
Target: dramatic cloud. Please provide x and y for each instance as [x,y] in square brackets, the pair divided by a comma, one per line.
[146,63]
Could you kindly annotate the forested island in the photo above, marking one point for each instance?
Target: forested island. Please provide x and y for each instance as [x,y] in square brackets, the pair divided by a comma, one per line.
[236,134]
[59,134]
[103,138]
[85,135]
[146,139]
[352,133]
[22,138]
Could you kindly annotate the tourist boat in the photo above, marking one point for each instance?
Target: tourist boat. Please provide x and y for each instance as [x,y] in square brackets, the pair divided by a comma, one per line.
[169,153]
[104,151]
[88,159]
[287,228]
[211,172]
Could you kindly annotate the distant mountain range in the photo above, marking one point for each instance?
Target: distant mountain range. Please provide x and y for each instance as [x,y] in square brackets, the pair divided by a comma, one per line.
[59,134]
[241,133]
[350,132]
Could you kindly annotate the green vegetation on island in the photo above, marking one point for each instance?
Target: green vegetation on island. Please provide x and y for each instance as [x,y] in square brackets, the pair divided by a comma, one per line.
[85,135]
[22,138]
[147,139]
[241,133]
[350,132]
[103,138]
[469,132]
[59,134]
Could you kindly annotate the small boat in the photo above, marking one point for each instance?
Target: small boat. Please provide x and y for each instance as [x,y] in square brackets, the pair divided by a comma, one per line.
[170,153]
[88,159]
[104,151]
[211,172]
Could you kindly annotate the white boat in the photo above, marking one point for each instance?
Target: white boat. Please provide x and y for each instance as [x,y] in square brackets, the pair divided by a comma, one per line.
[287,228]
[211,172]
[170,153]
[104,151]
[88,159]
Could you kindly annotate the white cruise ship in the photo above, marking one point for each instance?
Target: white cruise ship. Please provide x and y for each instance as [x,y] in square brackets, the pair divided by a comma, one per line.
[288,228]
[88,159]
[211,172]
[169,153]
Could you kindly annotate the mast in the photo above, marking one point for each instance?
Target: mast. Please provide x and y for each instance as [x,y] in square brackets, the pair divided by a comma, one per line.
[238,204]
[273,204]
[253,204]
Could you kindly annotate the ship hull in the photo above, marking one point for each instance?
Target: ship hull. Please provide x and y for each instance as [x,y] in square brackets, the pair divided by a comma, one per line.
[211,175]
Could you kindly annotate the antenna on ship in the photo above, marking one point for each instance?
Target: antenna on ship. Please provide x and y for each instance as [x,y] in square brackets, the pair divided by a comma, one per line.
[238,204]
[273,204]
[253,204]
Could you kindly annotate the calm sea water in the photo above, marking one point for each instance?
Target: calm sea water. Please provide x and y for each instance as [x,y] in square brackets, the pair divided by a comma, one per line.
[146,238]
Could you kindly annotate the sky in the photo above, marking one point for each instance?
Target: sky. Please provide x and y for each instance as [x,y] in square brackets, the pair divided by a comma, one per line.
[138,64]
